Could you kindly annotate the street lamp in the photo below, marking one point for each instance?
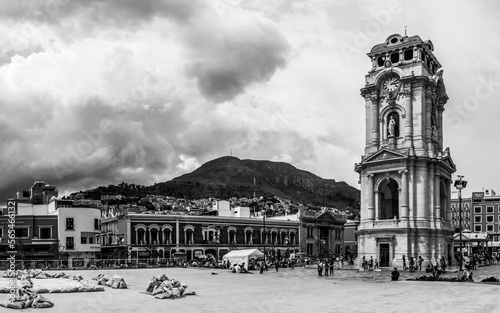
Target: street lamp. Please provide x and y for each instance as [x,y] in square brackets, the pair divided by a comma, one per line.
[460,184]
[264,236]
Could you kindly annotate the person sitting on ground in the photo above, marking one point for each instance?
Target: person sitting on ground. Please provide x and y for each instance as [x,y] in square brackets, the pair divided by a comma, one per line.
[395,274]
[467,274]
[429,268]
[242,268]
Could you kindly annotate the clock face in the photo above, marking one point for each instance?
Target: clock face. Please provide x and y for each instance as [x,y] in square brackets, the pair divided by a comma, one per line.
[390,84]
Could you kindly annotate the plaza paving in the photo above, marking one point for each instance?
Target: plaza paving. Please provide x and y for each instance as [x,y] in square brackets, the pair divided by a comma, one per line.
[298,290]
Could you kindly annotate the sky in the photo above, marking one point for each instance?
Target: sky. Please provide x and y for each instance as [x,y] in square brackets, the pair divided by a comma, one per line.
[98,92]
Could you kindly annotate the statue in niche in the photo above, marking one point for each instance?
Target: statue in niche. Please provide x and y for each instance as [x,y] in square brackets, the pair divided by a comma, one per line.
[392,125]
[391,130]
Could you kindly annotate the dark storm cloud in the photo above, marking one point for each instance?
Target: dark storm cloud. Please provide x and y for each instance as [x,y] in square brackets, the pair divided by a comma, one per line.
[125,11]
[231,58]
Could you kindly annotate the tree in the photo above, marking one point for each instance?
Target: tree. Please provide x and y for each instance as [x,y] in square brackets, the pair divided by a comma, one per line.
[57,250]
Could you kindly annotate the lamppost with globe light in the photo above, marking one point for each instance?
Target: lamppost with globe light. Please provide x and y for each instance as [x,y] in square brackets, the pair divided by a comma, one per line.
[460,184]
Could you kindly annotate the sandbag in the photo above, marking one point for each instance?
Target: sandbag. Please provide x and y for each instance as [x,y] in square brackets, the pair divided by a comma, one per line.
[176,293]
[41,305]
[66,289]
[157,290]
[73,289]
[123,285]
[44,299]
[42,290]
[164,295]
[28,303]
[115,284]
[18,305]
[55,290]
[99,288]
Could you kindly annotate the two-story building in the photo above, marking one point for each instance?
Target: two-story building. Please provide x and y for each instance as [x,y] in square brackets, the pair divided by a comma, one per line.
[35,233]
[188,236]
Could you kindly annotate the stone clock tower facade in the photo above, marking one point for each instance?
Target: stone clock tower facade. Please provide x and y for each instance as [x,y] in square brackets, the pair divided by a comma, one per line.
[405,173]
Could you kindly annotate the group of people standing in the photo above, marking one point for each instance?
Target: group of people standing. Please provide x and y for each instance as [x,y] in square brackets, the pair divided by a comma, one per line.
[326,267]
[369,265]
[414,263]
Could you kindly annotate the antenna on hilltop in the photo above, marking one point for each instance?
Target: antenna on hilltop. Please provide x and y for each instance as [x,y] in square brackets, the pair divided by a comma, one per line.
[231,151]
[405,30]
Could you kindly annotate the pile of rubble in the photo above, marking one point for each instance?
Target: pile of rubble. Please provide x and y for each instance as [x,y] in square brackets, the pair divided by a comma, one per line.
[115,282]
[163,288]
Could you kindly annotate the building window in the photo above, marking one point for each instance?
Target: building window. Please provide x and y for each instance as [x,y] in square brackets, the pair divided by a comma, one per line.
[83,240]
[408,54]
[91,240]
[96,223]
[477,210]
[467,215]
[489,209]
[70,223]
[309,249]
[21,232]
[489,227]
[337,250]
[489,219]
[1,232]
[477,219]
[70,243]
[477,228]
[310,232]
[45,233]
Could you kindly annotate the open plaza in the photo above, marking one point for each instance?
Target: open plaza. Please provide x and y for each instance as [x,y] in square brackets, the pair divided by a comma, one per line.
[297,290]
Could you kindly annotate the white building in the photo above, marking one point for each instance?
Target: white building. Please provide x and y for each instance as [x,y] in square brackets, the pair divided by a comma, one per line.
[78,228]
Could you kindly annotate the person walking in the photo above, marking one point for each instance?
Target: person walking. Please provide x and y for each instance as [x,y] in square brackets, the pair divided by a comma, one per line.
[370,264]
[277,265]
[320,268]
[420,261]
[404,263]
[262,265]
[327,267]
[443,264]
[331,267]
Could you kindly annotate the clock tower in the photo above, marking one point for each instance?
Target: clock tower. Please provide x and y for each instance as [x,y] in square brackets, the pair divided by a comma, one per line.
[405,173]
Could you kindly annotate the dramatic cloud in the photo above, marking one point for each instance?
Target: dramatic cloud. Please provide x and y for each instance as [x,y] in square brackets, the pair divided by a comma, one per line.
[98,92]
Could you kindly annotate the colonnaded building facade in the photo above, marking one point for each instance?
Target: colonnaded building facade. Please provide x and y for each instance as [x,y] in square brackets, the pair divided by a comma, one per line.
[405,173]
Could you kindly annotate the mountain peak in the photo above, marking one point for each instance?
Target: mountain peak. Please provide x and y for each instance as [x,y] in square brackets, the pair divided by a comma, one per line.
[230,176]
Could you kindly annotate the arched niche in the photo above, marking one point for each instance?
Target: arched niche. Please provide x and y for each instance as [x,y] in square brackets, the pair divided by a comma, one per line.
[388,199]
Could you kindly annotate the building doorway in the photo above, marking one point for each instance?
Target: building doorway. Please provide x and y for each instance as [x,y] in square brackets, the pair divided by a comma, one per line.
[384,255]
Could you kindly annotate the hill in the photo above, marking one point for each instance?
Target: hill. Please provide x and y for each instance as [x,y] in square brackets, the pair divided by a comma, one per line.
[228,177]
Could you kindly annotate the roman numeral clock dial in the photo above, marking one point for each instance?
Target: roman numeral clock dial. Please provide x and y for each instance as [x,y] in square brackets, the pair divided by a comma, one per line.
[390,84]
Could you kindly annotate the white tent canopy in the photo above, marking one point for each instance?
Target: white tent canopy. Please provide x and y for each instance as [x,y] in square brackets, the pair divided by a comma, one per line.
[240,256]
